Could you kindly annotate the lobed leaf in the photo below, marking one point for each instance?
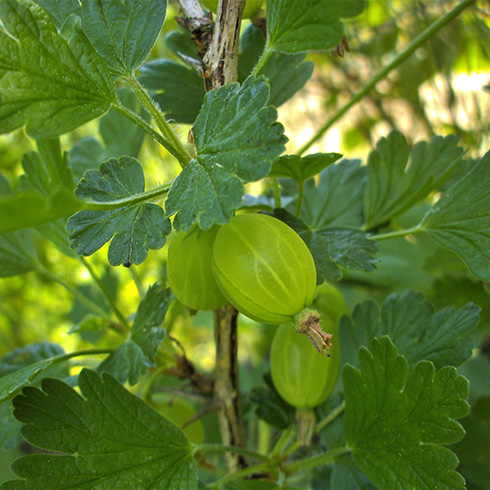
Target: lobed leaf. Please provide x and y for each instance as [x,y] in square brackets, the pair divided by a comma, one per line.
[413,327]
[134,228]
[17,254]
[298,26]
[333,248]
[133,358]
[460,220]
[472,451]
[394,184]
[302,169]
[21,366]
[50,83]
[123,32]
[336,200]
[396,422]
[105,437]
[236,139]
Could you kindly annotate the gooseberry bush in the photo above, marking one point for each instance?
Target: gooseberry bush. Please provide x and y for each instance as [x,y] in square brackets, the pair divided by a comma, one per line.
[363,382]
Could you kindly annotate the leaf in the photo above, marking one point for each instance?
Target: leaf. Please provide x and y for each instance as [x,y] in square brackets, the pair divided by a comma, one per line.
[346,475]
[394,184]
[270,407]
[477,371]
[472,451]
[60,10]
[49,83]
[121,137]
[17,254]
[333,248]
[298,26]
[236,139]
[14,361]
[21,366]
[397,422]
[123,32]
[135,228]
[105,437]
[302,169]
[26,209]
[337,198]
[460,220]
[255,485]
[178,90]
[133,358]
[287,73]
[413,327]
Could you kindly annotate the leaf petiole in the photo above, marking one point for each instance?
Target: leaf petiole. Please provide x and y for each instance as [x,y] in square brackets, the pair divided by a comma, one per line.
[149,195]
[173,143]
[398,233]
[336,412]
[263,60]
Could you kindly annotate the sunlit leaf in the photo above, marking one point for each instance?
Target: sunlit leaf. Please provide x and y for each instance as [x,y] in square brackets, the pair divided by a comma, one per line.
[397,423]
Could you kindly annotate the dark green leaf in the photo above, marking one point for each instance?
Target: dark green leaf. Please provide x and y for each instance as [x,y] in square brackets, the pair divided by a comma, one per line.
[255,485]
[472,451]
[60,10]
[123,32]
[394,184]
[460,220]
[296,26]
[120,136]
[287,73]
[477,371]
[60,83]
[178,90]
[414,328]
[302,169]
[397,422]
[136,228]
[105,438]
[337,199]
[236,139]
[21,366]
[346,475]
[333,248]
[17,254]
[270,407]
[9,427]
[180,43]
[137,354]
[56,163]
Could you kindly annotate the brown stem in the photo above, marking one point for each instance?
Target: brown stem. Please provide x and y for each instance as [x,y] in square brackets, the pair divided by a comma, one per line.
[226,387]
[221,59]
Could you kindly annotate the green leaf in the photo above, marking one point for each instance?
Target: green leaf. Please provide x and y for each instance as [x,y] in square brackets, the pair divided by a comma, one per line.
[301,169]
[236,139]
[413,327]
[297,26]
[59,83]
[135,228]
[178,90]
[133,358]
[17,254]
[60,10]
[333,248]
[337,198]
[9,427]
[270,407]
[477,371]
[21,366]
[397,422]
[123,32]
[346,475]
[25,209]
[121,137]
[287,73]
[394,184]
[460,219]
[472,451]
[255,485]
[104,438]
